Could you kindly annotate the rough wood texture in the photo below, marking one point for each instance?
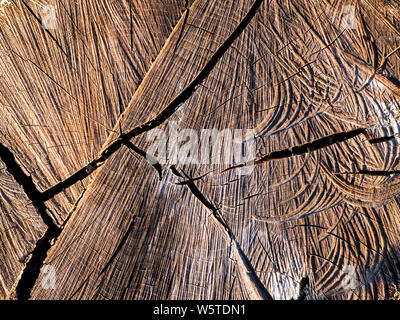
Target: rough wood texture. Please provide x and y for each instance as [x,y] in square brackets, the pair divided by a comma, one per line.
[20,228]
[322,201]
[63,89]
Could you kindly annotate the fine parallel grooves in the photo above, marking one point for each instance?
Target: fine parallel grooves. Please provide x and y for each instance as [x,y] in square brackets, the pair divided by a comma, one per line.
[32,269]
[27,184]
[161,118]
[323,191]
[245,268]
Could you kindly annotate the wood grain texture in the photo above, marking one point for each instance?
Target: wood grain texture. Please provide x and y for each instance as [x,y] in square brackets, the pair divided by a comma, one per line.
[63,88]
[323,199]
[20,228]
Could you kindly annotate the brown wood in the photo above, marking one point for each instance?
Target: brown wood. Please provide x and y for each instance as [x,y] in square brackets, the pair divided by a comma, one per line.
[78,101]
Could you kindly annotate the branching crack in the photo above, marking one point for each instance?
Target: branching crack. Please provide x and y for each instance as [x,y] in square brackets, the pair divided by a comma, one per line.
[27,184]
[244,264]
[373,172]
[153,161]
[310,147]
[32,268]
[162,117]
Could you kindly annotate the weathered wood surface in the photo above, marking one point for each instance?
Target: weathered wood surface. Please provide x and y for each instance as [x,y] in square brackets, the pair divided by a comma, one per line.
[324,94]
[21,228]
[61,91]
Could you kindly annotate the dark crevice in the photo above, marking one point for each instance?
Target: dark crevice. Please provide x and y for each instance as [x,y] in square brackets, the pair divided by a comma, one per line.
[262,291]
[304,284]
[39,253]
[380,140]
[305,148]
[27,184]
[312,146]
[153,161]
[197,193]
[73,179]
[374,172]
[32,268]
[162,117]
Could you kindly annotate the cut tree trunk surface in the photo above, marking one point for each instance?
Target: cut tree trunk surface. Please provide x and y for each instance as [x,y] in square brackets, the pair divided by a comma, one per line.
[84,214]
